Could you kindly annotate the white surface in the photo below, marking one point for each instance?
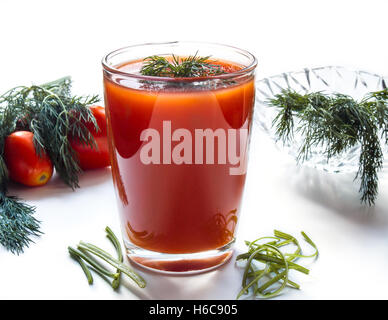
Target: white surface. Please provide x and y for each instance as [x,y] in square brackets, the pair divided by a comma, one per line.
[41,41]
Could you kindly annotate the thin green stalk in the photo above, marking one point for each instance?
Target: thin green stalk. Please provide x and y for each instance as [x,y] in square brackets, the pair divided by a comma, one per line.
[281,276]
[112,261]
[268,248]
[74,255]
[288,237]
[92,262]
[254,243]
[261,273]
[276,261]
[277,264]
[311,243]
[116,243]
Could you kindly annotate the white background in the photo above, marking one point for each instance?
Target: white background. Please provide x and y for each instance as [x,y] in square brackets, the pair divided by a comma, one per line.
[45,40]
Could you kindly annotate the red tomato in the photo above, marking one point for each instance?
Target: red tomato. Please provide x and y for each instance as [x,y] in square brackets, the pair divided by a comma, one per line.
[23,163]
[94,158]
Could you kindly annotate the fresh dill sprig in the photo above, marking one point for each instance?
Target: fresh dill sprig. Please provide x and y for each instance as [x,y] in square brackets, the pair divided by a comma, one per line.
[337,122]
[180,67]
[53,115]
[17,224]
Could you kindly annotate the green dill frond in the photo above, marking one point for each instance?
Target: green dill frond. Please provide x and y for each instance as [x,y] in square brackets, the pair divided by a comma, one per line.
[17,224]
[180,67]
[289,104]
[337,122]
[59,118]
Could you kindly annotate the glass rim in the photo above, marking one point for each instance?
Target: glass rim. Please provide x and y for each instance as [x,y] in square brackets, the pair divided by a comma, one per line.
[252,65]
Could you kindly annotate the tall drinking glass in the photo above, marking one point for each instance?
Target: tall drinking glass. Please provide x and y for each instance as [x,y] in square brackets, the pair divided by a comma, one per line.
[179,151]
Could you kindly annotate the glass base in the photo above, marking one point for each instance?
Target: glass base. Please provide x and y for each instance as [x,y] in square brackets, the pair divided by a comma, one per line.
[188,263]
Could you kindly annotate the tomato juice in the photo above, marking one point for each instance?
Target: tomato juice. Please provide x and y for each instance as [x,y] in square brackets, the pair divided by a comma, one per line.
[178,203]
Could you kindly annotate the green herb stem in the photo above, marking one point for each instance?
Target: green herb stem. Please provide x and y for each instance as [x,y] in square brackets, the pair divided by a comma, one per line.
[86,253]
[75,255]
[116,243]
[275,261]
[112,261]
[277,264]
[92,262]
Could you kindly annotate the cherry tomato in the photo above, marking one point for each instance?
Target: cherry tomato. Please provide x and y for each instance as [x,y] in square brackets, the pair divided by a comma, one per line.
[23,163]
[94,158]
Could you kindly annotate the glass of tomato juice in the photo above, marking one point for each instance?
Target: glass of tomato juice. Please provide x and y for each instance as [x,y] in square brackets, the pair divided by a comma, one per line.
[179,151]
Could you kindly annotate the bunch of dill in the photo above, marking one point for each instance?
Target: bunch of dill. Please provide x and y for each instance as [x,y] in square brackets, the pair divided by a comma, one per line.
[337,122]
[52,114]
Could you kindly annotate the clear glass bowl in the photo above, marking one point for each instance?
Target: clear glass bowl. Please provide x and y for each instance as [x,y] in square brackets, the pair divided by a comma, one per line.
[330,79]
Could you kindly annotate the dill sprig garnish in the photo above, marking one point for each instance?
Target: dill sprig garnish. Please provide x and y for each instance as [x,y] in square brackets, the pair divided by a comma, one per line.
[53,115]
[337,122]
[180,67]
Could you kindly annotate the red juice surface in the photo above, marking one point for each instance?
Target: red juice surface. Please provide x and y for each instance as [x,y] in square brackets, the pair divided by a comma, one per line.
[176,208]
